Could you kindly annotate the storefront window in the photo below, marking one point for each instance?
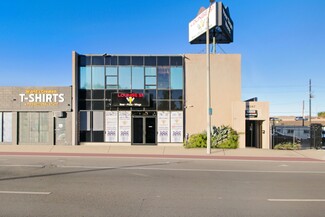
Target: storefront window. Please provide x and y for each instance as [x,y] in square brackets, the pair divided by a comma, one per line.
[34,127]
[5,127]
[176,77]
[85,77]
[98,77]
[137,78]
[124,77]
[163,77]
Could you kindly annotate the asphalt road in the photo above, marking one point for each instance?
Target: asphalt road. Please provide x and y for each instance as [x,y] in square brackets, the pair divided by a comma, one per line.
[85,186]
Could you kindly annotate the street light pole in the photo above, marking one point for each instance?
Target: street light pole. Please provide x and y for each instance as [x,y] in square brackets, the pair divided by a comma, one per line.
[209,110]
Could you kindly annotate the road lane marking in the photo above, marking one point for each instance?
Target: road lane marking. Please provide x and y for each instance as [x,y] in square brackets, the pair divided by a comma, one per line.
[25,192]
[296,200]
[24,165]
[130,167]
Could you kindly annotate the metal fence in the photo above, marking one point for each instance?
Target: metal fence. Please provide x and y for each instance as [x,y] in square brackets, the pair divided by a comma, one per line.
[312,137]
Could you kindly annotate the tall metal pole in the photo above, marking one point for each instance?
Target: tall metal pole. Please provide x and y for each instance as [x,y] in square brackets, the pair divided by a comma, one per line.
[303,113]
[209,111]
[310,96]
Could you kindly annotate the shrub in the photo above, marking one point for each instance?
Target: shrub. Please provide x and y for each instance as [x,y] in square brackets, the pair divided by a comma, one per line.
[197,141]
[288,146]
[222,137]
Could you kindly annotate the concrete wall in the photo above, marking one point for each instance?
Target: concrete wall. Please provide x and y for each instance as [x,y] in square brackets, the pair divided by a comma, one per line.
[225,77]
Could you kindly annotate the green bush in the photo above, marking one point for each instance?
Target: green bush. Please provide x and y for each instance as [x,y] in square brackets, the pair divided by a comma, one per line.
[222,137]
[197,141]
[288,146]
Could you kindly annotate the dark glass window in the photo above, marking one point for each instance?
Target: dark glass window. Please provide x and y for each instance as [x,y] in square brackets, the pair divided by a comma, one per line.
[176,61]
[84,60]
[163,61]
[85,136]
[137,61]
[163,77]
[98,136]
[109,94]
[163,94]
[98,94]
[84,94]
[124,60]
[98,105]
[177,94]
[98,60]
[150,61]
[137,91]
[152,93]
[163,105]
[82,105]
[176,105]
[152,106]
[111,60]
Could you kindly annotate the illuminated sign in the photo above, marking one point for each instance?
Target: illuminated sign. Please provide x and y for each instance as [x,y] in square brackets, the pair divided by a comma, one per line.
[130,99]
[41,97]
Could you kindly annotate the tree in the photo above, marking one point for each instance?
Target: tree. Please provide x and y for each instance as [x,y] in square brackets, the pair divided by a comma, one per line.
[321,114]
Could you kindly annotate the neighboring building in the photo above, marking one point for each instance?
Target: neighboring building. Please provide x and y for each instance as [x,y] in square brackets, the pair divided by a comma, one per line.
[35,115]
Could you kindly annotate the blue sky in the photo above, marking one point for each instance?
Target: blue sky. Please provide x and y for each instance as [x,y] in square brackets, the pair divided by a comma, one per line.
[281,42]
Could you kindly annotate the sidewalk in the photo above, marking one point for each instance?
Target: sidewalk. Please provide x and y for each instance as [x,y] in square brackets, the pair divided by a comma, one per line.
[164,152]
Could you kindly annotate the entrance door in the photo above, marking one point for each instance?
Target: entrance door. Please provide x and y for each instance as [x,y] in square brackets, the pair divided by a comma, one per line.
[144,130]
[254,134]
[60,131]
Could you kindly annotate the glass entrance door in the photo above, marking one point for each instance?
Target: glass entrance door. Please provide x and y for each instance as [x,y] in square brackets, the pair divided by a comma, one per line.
[143,130]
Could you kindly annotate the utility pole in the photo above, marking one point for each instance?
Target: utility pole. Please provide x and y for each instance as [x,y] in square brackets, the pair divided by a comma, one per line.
[310,96]
[303,113]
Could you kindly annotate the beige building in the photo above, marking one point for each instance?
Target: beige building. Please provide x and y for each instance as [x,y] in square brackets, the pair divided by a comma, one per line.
[159,99]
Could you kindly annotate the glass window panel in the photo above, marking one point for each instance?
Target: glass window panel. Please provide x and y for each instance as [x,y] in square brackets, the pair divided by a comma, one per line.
[111,81]
[124,60]
[84,121]
[137,91]
[98,136]
[137,78]
[177,94]
[98,60]
[7,127]
[85,136]
[163,94]
[176,105]
[163,61]
[163,105]
[124,77]
[150,71]
[98,105]
[98,94]
[176,77]
[163,77]
[82,105]
[137,61]
[85,77]
[151,81]
[150,87]
[109,94]
[152,93]
[84,60]
[98,78]
[152,105]
[24,126]
[176,61]
[111,60]
[111,70]
[150,61]
[98,121]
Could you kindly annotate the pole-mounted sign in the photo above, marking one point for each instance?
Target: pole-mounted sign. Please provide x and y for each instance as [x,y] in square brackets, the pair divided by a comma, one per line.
[221,25]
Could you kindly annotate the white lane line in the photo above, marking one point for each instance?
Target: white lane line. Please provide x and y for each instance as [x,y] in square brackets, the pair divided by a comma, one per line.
[296,200]
[130,167]
[24,165]
[25,192]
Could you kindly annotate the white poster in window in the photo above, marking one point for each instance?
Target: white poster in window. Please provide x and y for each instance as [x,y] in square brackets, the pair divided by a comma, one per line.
[0,126]
[111,126]
[176,122]
[125,126]
[7,127]
[163,127]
